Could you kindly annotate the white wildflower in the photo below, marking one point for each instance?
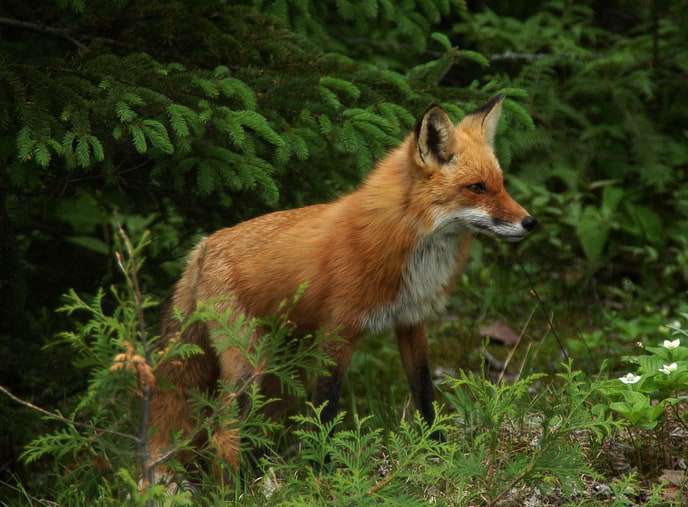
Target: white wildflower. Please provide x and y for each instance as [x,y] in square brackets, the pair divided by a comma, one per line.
[671,345]
[668,368]
[630,378]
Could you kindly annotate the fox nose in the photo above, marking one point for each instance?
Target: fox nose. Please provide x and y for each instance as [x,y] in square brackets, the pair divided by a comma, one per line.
[529,223]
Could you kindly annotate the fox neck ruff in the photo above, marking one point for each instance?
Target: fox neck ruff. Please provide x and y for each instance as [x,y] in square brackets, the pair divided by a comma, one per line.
[424,287]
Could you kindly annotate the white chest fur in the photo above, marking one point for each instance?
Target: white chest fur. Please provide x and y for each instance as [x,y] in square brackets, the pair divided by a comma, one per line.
[424,281]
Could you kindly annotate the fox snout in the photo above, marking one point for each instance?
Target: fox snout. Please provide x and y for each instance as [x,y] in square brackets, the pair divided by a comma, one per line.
[512,231]
[529,223]
[510,221]
[481,221]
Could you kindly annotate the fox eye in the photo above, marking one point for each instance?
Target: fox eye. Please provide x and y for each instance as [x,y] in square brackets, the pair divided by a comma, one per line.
[478,188]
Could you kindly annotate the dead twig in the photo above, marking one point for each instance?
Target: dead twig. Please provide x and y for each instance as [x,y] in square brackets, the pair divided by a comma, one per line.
[550,319]
[63,33]
[513,349]
[493,363]
[61,418]
[523,363]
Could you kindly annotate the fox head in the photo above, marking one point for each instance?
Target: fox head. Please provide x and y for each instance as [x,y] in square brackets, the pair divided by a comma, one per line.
[459,174]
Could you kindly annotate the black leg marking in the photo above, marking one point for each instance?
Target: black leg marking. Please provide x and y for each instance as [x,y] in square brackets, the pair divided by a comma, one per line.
[423,395]
[423,392]
[328,390]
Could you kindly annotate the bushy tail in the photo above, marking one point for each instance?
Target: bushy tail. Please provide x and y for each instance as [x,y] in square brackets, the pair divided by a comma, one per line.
[184,298]
[200,371]
[170,411]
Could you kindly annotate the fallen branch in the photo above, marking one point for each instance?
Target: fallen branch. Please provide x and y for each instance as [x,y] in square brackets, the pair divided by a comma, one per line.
[382,483]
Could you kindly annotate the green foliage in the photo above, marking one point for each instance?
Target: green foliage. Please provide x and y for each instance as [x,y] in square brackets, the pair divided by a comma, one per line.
[661,381]
[606,130]
[346,463]
[102,448]
[535,436]
[497,418]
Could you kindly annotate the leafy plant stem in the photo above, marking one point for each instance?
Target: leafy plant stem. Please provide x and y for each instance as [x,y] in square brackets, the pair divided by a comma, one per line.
[513,482]
[678,417]
[390,476]
[635,447]
[130,271]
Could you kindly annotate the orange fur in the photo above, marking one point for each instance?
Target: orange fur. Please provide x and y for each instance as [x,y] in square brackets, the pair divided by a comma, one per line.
[356,255]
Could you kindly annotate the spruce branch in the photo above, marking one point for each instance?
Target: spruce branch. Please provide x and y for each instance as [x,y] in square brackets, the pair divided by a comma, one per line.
[514,56]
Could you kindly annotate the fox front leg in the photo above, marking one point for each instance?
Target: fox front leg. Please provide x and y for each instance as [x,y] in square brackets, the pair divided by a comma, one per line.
[413,347]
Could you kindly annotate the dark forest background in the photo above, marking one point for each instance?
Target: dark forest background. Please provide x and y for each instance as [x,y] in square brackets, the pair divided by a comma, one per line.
[180,118]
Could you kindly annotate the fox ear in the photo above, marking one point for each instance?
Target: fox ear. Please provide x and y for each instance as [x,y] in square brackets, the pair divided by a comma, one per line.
[488,117]
[434,138]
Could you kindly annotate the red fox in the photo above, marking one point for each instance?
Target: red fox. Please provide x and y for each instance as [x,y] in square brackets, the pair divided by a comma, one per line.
[382,257]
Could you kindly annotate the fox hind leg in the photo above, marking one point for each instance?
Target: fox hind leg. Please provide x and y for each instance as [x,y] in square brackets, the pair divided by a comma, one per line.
[170,412]
[236,376]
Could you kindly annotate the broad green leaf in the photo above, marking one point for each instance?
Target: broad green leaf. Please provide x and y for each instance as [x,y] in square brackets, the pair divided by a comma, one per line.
[90,243]
[611,197]
[593,231]
[649,222]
